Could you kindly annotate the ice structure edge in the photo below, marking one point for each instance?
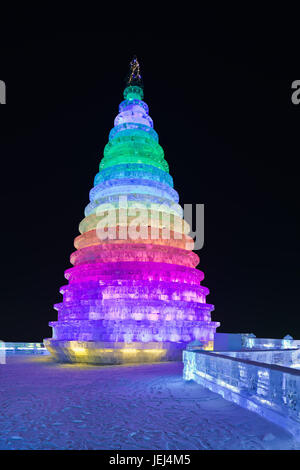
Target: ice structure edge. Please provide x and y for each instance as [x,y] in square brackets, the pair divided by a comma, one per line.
[270,390]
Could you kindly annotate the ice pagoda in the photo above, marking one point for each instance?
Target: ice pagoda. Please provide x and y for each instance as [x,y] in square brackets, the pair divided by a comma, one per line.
[134,293]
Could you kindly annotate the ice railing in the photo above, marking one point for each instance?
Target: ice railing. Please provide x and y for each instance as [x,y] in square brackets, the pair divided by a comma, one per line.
[249,341]
[23,348]
[281,357]
[270,390]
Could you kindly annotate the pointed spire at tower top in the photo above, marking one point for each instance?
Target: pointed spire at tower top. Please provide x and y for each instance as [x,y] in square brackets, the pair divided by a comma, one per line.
[135,78]
[134,82]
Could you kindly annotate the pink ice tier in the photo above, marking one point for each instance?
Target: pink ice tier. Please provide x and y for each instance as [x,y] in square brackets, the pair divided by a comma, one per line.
[134,293]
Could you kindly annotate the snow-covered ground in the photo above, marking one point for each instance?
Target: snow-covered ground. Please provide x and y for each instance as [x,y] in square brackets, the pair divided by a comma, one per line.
[44,405]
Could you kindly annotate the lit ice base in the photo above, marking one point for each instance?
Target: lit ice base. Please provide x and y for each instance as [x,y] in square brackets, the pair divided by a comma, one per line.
[93,352]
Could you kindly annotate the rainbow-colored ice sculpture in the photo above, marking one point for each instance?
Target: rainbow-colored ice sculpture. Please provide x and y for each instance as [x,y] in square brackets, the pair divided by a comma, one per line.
[133,298]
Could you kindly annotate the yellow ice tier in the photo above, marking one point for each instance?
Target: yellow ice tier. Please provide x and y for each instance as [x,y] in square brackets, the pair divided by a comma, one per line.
[90,352]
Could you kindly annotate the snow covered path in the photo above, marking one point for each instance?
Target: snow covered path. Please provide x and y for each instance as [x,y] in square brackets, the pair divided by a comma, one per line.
[44,405]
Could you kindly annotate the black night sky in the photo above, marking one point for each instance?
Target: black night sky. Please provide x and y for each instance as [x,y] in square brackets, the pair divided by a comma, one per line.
[229,130]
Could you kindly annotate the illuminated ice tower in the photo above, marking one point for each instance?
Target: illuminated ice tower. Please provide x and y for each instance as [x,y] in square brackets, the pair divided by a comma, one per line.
[134,293]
